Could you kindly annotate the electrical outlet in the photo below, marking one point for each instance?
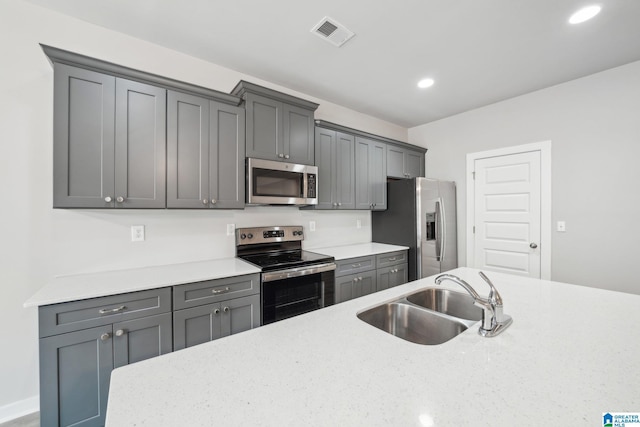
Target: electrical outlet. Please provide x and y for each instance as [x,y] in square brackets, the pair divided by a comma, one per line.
[312,226]
[562,227]
[358,223]
[231,228]
[137,233]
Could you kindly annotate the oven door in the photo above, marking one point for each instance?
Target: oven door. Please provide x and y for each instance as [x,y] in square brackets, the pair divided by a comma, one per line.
[287,293]
[280,183]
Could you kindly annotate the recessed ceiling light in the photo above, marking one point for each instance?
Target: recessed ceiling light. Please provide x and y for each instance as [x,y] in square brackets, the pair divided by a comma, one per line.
[425,83]
[584,14]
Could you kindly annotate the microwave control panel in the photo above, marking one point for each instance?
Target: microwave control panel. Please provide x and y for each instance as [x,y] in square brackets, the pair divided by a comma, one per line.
[311,185]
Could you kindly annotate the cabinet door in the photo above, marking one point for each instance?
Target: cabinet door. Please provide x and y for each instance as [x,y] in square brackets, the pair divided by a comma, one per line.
[187,151]
[414,164]
[140,339]
[74,377]
[298,141]
[362,173]
[345,171]
[383,279]
[140,147]
[196,325]
[366,283]
[325,154]
[226,156]
[264,138]
[400,275]
[378,175]
[83,139]
[395,162]
[345,288]
[389,277]
[240,314]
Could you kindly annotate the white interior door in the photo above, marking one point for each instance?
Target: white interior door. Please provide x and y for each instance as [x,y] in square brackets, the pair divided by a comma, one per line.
[507,217]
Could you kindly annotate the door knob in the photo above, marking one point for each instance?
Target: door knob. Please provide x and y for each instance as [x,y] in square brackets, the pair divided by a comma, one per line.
[533,245]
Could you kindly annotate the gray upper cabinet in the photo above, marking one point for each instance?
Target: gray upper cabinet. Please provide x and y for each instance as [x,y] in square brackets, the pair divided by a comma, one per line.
[278,126]
[335,153]
[205,153]
[109,141]
[371,174]
[404,163]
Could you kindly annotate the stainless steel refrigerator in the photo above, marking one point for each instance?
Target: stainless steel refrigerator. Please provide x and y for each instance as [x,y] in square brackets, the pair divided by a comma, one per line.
[421,214]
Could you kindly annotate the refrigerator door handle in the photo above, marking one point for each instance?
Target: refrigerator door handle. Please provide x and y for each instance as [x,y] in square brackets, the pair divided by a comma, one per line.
[440,230]
[443,235]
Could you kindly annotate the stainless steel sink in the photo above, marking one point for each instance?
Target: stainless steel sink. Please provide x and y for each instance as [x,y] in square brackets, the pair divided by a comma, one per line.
[430,316]
[412,323]
[448,302]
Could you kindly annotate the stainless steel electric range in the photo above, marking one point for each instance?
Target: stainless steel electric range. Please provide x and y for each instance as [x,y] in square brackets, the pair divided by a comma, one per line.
[294,281]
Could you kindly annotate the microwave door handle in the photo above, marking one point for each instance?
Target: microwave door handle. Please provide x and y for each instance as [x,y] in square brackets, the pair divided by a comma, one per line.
[305,185]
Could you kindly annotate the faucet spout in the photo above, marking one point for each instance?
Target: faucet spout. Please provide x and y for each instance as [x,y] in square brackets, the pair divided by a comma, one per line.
[494,321]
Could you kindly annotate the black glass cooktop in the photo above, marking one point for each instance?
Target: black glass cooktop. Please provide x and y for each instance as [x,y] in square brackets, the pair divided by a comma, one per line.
[286,259]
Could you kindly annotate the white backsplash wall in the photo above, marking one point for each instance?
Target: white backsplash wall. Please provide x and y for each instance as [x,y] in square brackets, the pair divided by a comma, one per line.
[98,240]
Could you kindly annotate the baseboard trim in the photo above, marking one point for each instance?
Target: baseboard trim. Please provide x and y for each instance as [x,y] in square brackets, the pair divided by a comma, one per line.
[19,409]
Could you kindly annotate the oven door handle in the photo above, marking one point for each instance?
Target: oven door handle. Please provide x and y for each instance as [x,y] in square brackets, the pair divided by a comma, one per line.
[296,272]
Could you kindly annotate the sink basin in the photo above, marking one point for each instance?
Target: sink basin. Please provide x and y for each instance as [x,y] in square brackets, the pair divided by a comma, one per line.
[445,301]
[413,323]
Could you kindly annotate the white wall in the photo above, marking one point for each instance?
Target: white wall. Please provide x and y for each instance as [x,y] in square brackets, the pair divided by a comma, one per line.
[594,126]
[38,242]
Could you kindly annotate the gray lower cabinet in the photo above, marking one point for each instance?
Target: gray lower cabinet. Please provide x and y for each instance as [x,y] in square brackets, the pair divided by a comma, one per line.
[211,309]
[371,174]
[335,158]
[109,141]
[205,153]
[360,276]
[193,326]
[83,341]
[404,163]
[278,126]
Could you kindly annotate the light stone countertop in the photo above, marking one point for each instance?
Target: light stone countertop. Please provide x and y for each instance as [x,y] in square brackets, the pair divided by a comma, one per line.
[92,285]
[358,250]
[571,354]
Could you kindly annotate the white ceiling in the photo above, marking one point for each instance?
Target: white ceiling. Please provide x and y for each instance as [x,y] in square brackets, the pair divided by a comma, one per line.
[478,51]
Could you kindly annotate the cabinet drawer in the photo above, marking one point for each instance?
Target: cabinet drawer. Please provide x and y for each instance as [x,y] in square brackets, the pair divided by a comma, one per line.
[391,258]
[200,293]
[355,265]
[73,316]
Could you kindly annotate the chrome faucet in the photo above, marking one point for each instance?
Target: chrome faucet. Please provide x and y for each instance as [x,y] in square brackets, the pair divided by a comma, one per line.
[494,321]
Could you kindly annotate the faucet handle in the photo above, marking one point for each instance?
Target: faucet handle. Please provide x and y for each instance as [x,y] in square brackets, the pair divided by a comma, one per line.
[494,295]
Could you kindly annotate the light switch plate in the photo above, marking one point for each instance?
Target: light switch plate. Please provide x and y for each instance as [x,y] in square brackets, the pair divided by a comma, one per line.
[231,228]
[358,223]
[312,226]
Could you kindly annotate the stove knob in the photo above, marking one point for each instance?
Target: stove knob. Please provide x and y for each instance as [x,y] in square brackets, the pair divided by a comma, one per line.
[243,236]
[250,236]
[295,233]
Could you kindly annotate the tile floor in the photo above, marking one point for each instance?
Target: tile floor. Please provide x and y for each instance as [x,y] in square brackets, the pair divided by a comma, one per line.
[31,420]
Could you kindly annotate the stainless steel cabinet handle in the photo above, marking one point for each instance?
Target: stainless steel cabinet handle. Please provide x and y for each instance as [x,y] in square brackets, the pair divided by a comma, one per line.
[111,310]
[108,199]
[216,311]
[226,309]
[213,201]
[205,201]
[281,155]
[120,332]
[339,204]
[105,336]
[119,199]
[533,246]
[356,265]
[286,156]
[392,259]
[335,204]
[220,291]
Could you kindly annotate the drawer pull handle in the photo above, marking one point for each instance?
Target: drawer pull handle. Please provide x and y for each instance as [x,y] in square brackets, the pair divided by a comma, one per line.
[392,259]
[111,310]
[356,265]
[220,291]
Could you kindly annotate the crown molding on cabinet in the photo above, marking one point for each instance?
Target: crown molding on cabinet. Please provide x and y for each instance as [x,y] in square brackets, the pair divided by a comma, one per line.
[334,126]
[246,87]
[75,59]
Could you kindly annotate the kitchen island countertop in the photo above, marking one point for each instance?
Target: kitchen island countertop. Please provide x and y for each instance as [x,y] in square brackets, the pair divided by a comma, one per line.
[571,354]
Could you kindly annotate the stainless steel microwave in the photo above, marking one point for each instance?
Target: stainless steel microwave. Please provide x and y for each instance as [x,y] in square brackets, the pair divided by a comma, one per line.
[280,183]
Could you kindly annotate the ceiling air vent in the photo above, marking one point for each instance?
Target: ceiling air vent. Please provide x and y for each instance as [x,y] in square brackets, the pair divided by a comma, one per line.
[332,31]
